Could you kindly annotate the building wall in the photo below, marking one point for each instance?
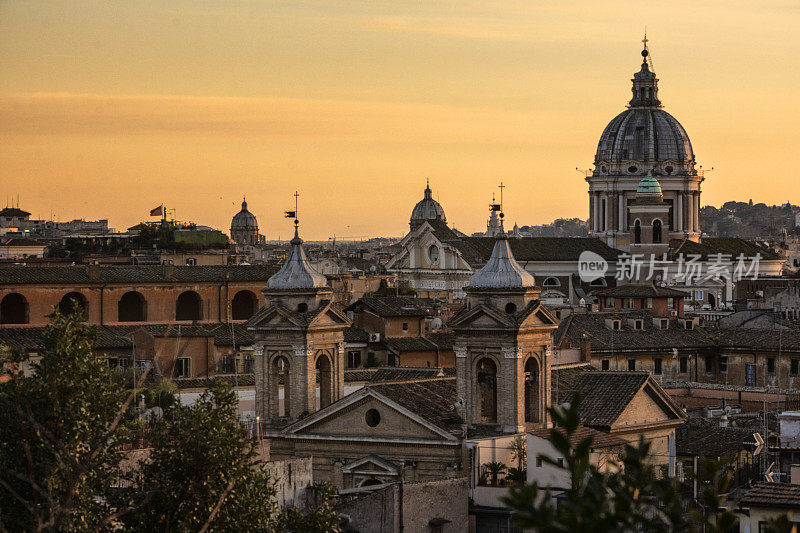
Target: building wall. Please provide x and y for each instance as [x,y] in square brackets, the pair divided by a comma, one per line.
[750,524]
[292,478]
[160,299]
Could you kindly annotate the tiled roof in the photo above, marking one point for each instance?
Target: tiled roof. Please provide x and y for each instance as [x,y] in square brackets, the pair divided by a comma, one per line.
[604,395]
[355,334]
[392,306]
[732,246]
[443,339]
[780,495]
[599,438]
[409,344]
[111,337]
[30,338]
[431,399]
[711,441]
[649,290]
[564,381]
[396,374]
[760,339]
[592,327]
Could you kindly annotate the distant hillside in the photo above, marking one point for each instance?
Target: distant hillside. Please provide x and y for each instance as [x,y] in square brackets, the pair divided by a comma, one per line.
[749,220]
[562,227]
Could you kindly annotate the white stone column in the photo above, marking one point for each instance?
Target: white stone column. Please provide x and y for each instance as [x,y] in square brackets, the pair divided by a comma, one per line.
[596,218]
[678,212]
[622,222]
[697,211]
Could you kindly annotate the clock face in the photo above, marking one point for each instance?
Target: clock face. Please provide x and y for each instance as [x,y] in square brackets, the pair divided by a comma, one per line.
[433,254]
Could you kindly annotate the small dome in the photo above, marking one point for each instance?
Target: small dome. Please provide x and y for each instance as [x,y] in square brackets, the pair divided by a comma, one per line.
[296,272]
[649,187]
[427,209]
[244,219]
[501,271]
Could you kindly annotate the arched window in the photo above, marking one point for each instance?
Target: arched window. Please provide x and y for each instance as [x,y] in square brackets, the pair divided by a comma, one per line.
[281,380]
[551,282]
[487,390]
[244,305]
[189,306]
[131,307]
[73,301]
[14,309]
[637,232]
[325,381]
[657,231]
[532,390]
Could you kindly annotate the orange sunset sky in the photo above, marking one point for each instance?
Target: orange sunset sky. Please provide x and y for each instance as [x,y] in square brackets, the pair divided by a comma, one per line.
[109,108]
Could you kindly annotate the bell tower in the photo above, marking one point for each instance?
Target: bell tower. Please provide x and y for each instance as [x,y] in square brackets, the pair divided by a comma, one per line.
[502,346]
[299,341]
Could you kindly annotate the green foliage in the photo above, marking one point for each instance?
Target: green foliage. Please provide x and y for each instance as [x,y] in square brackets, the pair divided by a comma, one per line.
[494,468]
[627,498]
[56,464]
[200,470]
[519,451]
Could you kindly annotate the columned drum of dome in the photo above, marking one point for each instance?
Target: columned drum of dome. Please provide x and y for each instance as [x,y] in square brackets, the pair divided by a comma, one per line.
[641,140]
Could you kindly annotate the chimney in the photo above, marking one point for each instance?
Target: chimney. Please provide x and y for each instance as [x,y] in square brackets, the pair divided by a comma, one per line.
[94,272]
[586,350]
[169,271]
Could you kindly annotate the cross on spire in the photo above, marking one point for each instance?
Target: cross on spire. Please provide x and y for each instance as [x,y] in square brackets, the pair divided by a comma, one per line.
[644,41]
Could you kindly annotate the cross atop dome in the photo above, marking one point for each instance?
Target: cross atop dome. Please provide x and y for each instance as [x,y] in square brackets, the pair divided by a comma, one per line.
[645,83]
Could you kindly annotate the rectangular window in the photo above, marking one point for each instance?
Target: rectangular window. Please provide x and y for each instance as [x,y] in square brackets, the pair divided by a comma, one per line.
[670,303]
[749,374]
[770,365]
[405,326]
[627,303]
[182,367]
[631,364]
[684,365]
[709,364]
[689,324]
[723,363]
[609,302]
[638,324]
[795,368]
[657,366]
[353,359]
[248,364]
[604,364]
[648,303]
[664,323]
[616,324]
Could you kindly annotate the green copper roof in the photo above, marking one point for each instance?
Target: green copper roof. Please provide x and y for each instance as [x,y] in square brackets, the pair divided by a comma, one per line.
[649,186]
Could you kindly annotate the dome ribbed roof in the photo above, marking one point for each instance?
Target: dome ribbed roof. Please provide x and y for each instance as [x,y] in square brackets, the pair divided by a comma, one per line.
[244,219]
[644,133]
[296,272]
[427,209]
[501,271]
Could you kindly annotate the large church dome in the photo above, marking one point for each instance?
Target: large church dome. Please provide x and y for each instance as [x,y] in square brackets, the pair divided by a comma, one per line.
[644,137]
[427,209]
[244,219]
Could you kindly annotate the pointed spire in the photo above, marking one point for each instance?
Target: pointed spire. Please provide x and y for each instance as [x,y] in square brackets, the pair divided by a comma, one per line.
[502,271]
[297,272]
[244,203]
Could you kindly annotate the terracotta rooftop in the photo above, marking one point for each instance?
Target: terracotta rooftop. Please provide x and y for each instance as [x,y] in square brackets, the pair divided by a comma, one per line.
[634,290]
[391,306]
[778,495]
[599,438]
[432,399]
